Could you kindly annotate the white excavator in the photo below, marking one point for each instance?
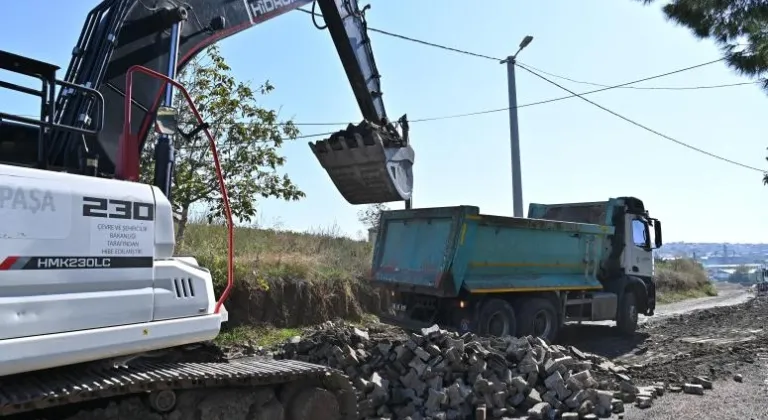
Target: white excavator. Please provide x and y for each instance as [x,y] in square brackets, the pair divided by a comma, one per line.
[96,311]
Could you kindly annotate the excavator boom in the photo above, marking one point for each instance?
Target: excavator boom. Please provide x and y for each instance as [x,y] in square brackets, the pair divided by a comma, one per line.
[368,163]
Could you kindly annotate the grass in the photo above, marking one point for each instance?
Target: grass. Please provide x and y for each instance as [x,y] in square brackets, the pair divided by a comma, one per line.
[682,279]
[284,278]
[264,336]
[263,255]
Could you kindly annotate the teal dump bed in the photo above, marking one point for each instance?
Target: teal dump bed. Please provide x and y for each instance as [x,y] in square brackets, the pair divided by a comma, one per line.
[441,250]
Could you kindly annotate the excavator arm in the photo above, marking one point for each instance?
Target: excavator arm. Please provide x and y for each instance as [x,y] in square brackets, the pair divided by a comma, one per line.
[369,163]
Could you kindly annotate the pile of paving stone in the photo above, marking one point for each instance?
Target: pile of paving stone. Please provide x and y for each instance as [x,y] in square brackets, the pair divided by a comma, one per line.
[442,375]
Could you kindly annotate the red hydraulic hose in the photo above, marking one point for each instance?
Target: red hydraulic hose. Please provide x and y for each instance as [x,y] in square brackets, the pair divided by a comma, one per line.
[128,164]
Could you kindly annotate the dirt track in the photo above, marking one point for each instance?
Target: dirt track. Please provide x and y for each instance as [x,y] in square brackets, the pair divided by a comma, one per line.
[728,295]
[710,336]
[695,338]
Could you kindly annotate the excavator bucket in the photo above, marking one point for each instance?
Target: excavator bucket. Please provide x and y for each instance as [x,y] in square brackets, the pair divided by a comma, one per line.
[367,163]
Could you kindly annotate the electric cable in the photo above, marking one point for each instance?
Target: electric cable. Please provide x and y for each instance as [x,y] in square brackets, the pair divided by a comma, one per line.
[649,87]
[542,102]
[495,110]
[573,95]
[496,59]
[533,70]
[644,127]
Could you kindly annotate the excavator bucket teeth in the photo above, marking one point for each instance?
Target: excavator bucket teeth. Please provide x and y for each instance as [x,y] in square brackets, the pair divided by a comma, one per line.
[367,163]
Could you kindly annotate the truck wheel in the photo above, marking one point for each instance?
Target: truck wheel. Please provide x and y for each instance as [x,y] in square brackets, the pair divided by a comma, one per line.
[626,318]
[538,317]
[497,317]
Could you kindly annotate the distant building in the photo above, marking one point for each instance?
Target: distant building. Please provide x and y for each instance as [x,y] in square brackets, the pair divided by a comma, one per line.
[721,272]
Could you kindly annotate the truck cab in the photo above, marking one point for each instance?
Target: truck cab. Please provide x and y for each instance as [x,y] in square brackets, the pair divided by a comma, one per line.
[495,275]
[628,251]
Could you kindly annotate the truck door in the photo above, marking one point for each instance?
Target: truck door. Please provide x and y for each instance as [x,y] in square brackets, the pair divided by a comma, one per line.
[638,260]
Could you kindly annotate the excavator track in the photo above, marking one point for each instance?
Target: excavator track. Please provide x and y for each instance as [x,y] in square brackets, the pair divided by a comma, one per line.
[247,389]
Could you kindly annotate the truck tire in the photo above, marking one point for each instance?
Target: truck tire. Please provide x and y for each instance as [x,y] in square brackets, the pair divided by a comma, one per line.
[538,317]
[497,317]
[627,315]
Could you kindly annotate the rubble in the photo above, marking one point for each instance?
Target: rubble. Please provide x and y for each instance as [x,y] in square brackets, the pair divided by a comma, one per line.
[441,375]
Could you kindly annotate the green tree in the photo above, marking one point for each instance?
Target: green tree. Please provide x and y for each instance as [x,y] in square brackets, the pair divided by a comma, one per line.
[371,214]
[248,138]
[740,275]
[765,176]
[737,26]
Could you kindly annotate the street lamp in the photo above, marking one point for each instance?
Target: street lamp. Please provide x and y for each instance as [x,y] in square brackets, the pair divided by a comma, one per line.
[517,182]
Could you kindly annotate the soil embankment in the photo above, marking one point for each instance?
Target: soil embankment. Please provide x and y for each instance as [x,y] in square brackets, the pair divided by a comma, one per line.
[296,303]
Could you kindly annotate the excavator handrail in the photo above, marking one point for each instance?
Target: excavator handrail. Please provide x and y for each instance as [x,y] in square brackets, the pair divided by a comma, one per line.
[128,162]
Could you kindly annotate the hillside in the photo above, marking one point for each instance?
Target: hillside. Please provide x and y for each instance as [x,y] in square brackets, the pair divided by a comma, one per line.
[287,278]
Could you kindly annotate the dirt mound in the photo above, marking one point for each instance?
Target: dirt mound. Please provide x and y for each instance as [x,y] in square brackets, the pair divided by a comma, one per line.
[716,343]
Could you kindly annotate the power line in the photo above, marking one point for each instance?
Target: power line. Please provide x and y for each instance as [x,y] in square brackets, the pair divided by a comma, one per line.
[542,102]
[495,110]
[603,88]
[650,87]
[418,41]
[573,95]
[431,44]
[496,59]
[306,136]
[469,53]
[644,127]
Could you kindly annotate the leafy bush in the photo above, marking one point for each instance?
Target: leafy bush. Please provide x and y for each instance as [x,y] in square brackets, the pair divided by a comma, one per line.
[682,278]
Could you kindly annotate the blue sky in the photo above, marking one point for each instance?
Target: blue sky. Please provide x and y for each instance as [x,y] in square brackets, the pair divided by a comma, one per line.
[571,150]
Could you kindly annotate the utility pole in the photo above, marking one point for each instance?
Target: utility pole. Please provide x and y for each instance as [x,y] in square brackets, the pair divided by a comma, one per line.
[517,182]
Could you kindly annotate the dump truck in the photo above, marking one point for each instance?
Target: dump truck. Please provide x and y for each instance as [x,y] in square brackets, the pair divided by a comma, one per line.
[494,275]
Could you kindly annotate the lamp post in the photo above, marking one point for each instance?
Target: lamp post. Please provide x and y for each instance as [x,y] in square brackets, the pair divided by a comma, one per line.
[517,182]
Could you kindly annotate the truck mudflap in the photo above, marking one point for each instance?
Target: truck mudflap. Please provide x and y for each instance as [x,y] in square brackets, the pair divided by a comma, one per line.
[367,163]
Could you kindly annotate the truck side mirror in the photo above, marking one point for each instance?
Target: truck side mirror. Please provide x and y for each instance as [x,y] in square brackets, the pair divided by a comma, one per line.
[657,233]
